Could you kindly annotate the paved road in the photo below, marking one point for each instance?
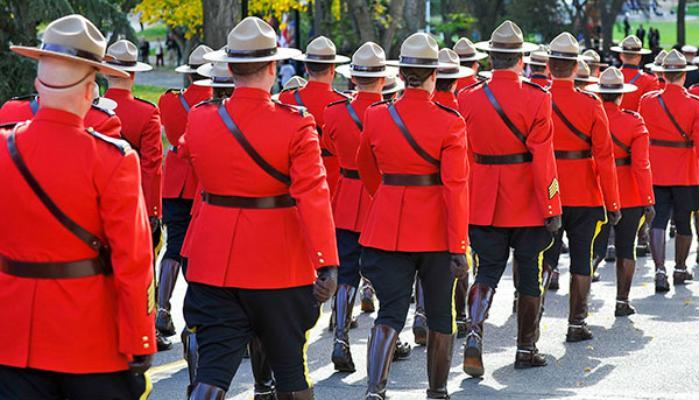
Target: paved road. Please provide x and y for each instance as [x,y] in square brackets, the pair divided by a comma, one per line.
[651,355]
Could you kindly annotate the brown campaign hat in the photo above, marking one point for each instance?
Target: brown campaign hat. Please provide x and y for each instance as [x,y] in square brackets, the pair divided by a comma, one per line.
[124,56]
[507,38]
[368,61]
[322,50]
[630,45]
[674,62]
[539,57]
[467,51]
[611,81]
[73,38]
[419,50]
[658,61]
[196,60]
[454,70]
[564,47]
[252,40]
[218,73]
[592,58]
[584,74]
[392,85]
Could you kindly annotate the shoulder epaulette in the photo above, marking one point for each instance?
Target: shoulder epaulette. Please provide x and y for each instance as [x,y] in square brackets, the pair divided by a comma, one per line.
[334,103]
[303,111]
[173,90]
[652,93]
[342,94]
[208,102]
[378,103]
[448,109]
[693,96]
[25,97]
[534,85]
[104,110]
[8,125]
[587,94]
[145,101]
[634,113]
[122,145]
[472,86]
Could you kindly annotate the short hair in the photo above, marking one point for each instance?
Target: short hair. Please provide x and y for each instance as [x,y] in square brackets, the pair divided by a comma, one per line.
[504,60]
[445,85]
[561,68]
[315,69]
[537,68]
[415,77]
[610,97]
[469,64]
[673,76]
[365,80]
[222,92]
[247,69]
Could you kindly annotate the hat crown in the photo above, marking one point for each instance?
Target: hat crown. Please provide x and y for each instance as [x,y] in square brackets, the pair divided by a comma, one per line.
[507,33]
[196,57]
[369,54]
[688,48]
[674,59]
[583,70]
[565,43]
[611,76]
[420,45]
[631,42]
[76,32]
[251,34]
[220,70]
[295,82]
[593,55]
[123,50]
[660,57]
[321,46]
[464,47]
[449,56]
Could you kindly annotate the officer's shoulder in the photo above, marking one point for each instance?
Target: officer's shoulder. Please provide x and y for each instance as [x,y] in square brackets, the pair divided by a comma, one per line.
[109,113]
[338,102]
[633,114]
[146,102]
[381,103]
[209,102]
[344,96]
[472,86]
[26,97]
[447,109]
[174,91]
[588,94]
[651,94]
[8,125]
[121,145]
[533,85]
[298,110]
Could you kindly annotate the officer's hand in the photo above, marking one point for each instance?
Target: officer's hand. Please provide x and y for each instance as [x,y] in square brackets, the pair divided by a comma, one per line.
[326,284]
[649,212]
[155,224]
[614,217]
[140,364]
[459,266]
[553,224]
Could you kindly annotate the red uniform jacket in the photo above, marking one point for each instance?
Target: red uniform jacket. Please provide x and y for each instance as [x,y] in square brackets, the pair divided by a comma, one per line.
[258,248]
[635,180]
[315,96]
[21,109]
[415,218]
[514,195]
[179,180]
[542,80]
[672,166]
[464,82]
[581,179]
[694,89]
[80,325]
[351,200]
[447,99]
[646,83]
[140,122]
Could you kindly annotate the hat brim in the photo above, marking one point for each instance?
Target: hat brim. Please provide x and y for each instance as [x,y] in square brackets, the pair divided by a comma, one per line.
[477,56]
[568,58]
[591,79]
[105,103]
[337,60]
[650,66]
[282,53]
[596,88]
[485,74]
[139,67]
[526,48]
[211,83]
[346,71]
[528,60]
[36,53]
[597,64]
[462,73]
[205,70]
[400,85]
[685,69]
[397,63]
[186,69]
[619,49]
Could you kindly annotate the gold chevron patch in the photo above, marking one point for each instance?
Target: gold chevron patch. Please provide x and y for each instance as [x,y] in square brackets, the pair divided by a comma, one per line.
[553,188]
[151,298]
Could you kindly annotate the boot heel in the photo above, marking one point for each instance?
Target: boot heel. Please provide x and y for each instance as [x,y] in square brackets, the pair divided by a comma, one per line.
[473,362]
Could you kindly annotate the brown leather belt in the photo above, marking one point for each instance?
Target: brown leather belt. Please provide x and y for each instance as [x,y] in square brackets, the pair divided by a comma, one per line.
[681,144]
[573,155]
[53,270]
[349,173]
[326,153]
[282,201]
[411,180]
[620,162]
[504,159]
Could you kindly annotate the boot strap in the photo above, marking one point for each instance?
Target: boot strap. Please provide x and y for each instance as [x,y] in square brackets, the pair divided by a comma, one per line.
[474,333]
[266,392]
[342,342]
[622,302]
[660,272]
[373,396]
[683,270]
[577,326]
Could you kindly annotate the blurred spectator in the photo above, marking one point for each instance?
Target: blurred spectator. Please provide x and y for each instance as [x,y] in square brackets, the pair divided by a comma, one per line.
[160,55]
[145,51]
[627,25]
[286,71]
[641,33]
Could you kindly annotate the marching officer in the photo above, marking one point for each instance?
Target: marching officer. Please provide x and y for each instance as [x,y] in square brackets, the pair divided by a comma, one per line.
[263,182]
[412,159]
[690,54]
[587,175]
[320,61]
[538,66]
[658,63]
[179,181]
[469,57]
[517,204]
[594,61]
[77,306]
[672,118]
[631,53]
[583,76]
[630,137]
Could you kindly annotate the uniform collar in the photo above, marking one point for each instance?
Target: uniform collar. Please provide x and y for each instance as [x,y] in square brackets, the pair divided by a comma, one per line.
[610,107]
[116,93]
[671,87]
[505,74]
[368,96]
[58,116]
[540,76]
[416,94]
[630,66]
[562,84]
[320,86]
[251,93]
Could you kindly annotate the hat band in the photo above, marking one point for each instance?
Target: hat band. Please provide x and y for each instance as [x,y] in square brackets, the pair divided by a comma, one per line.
[362,68]
[194,66]
[611,85]
[509,46]
[631,48]
[324,57]
[122,63]
[419,61]
[563,54]
[221,79]
[674,66]
[71,51]
[448,71]
[389,87]
[251,53]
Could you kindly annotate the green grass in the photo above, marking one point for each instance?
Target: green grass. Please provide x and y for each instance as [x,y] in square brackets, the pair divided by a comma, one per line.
[693,9]
[668,32]
[150,93]
[155,32]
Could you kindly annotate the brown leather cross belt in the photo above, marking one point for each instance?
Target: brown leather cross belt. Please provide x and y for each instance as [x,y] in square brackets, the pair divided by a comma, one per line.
[411,180]
[282,201]
[573,155]
[681,144]
[349,173]
[620,162]
[504,159]
[53,270]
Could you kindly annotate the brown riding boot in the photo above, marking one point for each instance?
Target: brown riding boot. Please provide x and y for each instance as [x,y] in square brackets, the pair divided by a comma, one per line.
[480,297]
[515,277]
[344,302]
[546,272]
[367,297]
[528,317]
[554,285]
[261,371]
[579,291]
[624,277]
[301,395]
[190,346]
[657,250]
[202,391]
[382,345]
[682,245]
[169,270]
[440,348]
[420,321]
[460,300]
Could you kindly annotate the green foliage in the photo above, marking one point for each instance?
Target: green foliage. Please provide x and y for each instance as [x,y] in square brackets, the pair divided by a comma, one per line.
[456,25]
[539,19]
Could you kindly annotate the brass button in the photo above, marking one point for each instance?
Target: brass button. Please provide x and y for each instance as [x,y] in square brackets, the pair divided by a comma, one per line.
[146,345]
[320,254]
[321,261]
[145,338]
[90,129]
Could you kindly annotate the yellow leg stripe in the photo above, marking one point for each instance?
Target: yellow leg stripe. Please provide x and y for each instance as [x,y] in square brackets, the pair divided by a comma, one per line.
[598,229]
[149,387]
[453,307]
[635,237]
[540,266]
[307,334]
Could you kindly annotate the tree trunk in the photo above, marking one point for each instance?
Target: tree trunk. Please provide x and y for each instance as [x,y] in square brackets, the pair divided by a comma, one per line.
[609,9]
[361,12]
[395,10]
[487,13]
[681,29]
[220,16]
